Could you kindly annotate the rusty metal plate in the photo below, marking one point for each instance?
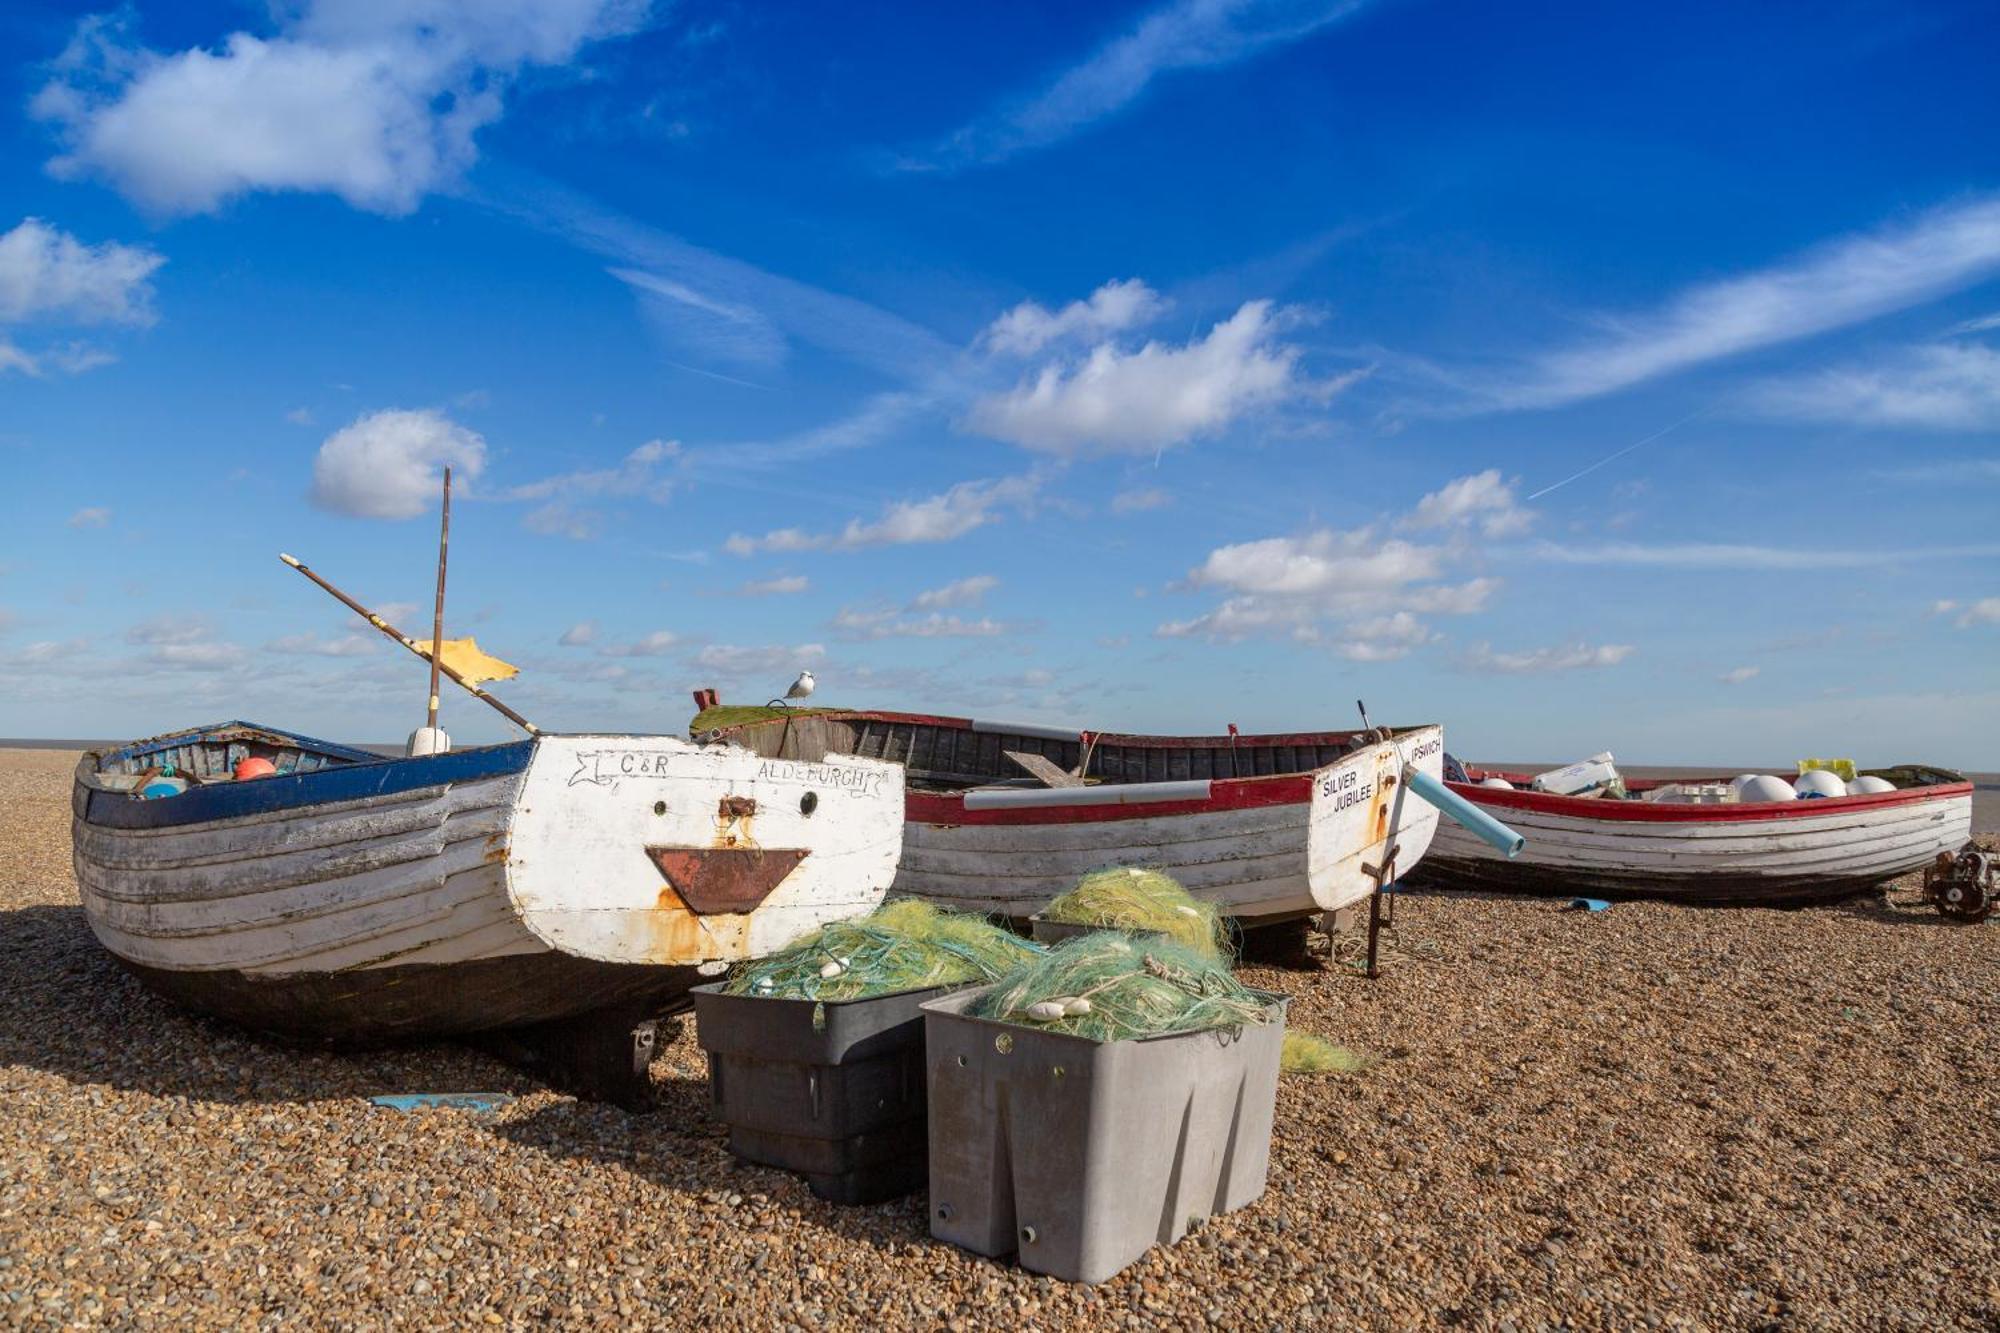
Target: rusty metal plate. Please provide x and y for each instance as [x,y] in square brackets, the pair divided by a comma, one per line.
[713,880]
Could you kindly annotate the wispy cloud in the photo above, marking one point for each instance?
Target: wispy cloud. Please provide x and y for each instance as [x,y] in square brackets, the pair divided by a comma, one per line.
[968,591]
[1843,282]
[1945,471]
[1577,656]
[1985,611]
[1140,499]
[656,644]
[91,516]
[783,586]
[861,626]
[1937,386]
[1739,675]
[937,518]
[47,274]
[1733,555]
[1181,35]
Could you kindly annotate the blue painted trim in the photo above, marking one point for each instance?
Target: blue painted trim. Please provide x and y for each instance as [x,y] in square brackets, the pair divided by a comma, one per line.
[349,782]
[480,1103]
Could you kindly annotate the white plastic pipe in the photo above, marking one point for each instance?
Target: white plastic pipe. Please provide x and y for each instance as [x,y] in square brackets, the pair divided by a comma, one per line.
[1116,793]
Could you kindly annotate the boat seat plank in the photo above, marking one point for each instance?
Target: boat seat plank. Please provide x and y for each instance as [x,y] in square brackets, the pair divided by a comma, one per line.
[1041,768]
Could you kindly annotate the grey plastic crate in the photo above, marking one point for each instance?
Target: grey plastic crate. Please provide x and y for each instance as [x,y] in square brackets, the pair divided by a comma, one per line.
[1079,1156]
[832,1089]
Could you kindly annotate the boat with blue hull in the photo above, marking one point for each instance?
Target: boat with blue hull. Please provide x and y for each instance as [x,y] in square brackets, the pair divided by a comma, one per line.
[350,898]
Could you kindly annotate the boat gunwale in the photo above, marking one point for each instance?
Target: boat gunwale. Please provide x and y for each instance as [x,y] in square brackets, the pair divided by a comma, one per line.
[1133,739]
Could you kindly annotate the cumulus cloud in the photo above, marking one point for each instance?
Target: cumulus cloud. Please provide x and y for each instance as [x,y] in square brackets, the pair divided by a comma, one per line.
[388,464]
[937,518]
[1483,500]
[1843,282]
[785,585]
[46,274]
[1154,398]
[378,104]
[960,592]
[579,634]
[1940,386]
[1540,661]
[657,644]
[1738,675]
[1384,639]
[91,516]
[1112,308]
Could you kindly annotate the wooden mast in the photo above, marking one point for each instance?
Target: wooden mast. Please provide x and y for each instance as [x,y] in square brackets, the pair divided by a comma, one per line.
[437,615]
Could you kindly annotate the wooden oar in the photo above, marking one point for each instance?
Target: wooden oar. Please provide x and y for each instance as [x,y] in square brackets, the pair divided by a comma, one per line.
[415,647]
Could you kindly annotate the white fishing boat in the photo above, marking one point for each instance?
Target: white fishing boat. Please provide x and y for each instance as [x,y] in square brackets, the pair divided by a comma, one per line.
[1004,817]
[1729,851]
[350,898]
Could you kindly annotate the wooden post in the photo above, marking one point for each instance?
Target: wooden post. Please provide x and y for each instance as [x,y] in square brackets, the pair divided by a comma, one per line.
[437,615]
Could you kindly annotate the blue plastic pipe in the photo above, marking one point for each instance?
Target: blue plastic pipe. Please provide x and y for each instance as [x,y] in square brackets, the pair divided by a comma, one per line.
[1496,834]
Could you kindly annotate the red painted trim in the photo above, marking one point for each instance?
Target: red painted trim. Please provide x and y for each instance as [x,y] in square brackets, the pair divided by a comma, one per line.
[1597,808]
[1223,795]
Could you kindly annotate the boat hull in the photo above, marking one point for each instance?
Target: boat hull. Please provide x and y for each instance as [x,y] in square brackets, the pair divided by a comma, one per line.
[1265,850]
[1786,853]
[482,889]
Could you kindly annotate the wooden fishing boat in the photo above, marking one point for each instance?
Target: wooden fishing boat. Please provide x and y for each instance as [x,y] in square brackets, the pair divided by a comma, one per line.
[352,898]
[1003,817]
[1768,852]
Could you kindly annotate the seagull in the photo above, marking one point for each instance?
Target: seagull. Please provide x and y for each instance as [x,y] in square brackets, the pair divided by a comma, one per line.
[801,688]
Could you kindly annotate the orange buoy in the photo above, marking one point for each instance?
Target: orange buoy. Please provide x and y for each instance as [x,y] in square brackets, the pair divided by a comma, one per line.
[254,768]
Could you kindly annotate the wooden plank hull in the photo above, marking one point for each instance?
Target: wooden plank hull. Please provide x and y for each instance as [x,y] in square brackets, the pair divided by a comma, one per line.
[1778,853]
[480,889]
[1264,849]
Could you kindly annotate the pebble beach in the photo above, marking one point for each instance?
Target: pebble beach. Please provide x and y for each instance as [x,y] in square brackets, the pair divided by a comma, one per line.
[1650,1117]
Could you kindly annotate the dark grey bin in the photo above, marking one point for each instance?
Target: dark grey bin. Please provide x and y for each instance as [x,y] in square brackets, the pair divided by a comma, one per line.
[1079,1156]
[832,1089]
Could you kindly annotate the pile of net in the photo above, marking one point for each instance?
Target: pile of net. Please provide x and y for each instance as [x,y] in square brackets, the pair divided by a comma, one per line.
[1110,986]
[902,945]
[1128,898]
[1303,1053]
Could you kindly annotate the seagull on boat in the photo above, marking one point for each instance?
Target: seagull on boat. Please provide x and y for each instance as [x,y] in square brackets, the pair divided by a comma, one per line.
[801,688]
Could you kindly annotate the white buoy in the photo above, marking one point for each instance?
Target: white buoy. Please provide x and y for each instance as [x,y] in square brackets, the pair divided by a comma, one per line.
[1819,782]
[1736,783]
[1764,787]
[831,970]
[1869,786]
[1498,784]
[1045,1011]
[1076,1006]
[429,740]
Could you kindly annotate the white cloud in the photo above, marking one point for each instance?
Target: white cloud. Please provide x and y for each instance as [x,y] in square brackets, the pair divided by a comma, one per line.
[1482,499]
[560,518]
[938,518]
[1383,639]
[300,416]
[1112,308]
[656,644]
[311,644]
[783,586]
[1738,675]
[1151,399]
[1729,555]
[1940,386]
[50,275]
[734,661]
[1985,611]
[44,651]
[1846,281]
[1180,35]
[373,102]
[868,625]
[1140,500]
[579,634]
[1948,471]
[1539,661]
[167,630]
[960,592]
[1983,324]
[386,465]
[13,358]
[91,516]
[1318,563]
[636,476]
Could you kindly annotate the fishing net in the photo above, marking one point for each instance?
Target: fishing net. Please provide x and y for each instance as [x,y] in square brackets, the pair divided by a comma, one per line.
[1129,898]
[903,945]
[1304,1053]
[1110,986]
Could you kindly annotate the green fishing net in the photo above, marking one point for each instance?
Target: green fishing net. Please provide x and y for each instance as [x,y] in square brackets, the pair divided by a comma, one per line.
[1303,1053]
[903,945]
[1110,986]
[1129,898]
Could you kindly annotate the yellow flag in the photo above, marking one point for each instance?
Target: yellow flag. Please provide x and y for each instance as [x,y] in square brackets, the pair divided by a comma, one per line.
[463,656]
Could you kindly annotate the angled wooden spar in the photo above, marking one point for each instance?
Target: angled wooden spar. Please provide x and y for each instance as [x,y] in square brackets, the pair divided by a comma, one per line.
[437,616]
[415,647]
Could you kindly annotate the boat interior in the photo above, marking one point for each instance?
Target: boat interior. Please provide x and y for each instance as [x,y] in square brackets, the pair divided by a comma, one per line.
[955,754]
[206,755]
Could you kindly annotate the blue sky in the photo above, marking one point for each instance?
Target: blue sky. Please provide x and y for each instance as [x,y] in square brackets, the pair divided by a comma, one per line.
[1592,377]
